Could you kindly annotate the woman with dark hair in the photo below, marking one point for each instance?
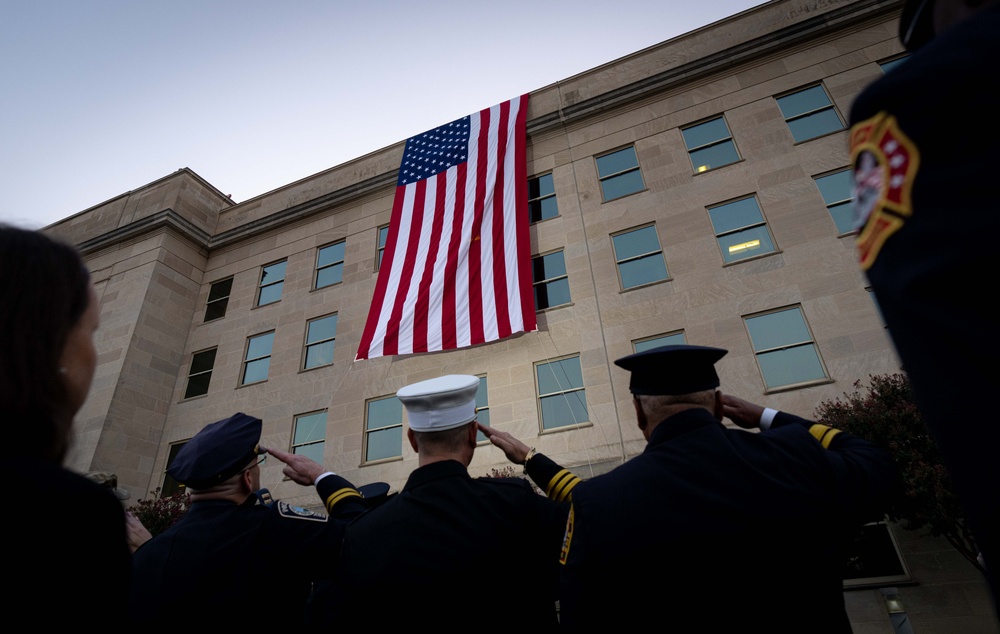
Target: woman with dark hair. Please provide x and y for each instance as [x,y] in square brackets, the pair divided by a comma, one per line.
[66,534]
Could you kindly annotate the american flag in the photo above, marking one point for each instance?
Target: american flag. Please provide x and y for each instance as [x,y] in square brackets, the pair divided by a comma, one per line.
[456,267]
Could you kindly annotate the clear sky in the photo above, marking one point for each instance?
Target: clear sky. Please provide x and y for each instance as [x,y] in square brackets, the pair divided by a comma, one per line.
[103,96]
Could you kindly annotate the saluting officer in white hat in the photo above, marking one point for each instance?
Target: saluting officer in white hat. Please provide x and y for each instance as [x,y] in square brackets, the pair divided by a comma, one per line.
[439,551]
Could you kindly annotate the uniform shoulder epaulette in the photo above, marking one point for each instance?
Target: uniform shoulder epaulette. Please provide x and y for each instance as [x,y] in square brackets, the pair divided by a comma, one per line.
[297,512]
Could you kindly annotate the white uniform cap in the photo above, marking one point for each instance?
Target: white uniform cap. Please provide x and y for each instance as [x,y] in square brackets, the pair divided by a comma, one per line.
[442,403]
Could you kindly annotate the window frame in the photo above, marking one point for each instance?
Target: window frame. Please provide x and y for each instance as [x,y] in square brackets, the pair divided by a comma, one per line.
[542,429]
[191,373]
[261,285]
[480,437]
[634,258]
[225,300]
[549,280]
[169,486]
[829,204]
[602,178]
[763,223]
[811,341]
[830,106]
[672,333]
[306,344]
[379,245]
[293,446]
[892,62]
[320,268]
[247,361]
[364,448]
[540,198]
[690,150]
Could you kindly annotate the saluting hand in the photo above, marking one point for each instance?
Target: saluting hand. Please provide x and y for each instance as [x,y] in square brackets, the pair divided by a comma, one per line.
[743,413]
[298,467]
[515,450]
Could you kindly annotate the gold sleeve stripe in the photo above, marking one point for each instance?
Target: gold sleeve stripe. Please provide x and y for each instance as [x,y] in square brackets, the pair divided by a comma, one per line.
[561,485]
[823,434]
[567,538]
[339,495]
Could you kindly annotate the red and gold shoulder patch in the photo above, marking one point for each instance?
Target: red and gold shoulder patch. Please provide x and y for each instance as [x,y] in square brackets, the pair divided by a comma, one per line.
[885,164]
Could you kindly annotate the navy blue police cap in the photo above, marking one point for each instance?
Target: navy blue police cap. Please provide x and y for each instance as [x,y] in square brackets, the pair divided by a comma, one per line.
[375,493]
[672,370]
[217,452]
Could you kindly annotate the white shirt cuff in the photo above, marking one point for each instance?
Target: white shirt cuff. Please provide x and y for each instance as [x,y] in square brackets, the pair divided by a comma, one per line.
[323,475]
[767,418]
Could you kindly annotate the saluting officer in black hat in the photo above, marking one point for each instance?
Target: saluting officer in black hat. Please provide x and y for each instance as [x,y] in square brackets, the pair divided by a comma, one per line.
[235,559]
[710,525]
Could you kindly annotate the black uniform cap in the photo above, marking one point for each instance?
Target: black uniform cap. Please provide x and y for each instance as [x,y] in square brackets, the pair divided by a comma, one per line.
[217,452]
[672,369]
[916,23]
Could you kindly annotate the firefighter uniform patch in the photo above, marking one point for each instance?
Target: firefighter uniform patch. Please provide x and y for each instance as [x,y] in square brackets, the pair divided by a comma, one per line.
[299,513]
[885,164]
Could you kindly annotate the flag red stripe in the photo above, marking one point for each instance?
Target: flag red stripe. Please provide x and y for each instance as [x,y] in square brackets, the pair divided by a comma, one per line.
[523,235]
[449,336]
[391,345]
[499,235]
[423,290]
[475,254]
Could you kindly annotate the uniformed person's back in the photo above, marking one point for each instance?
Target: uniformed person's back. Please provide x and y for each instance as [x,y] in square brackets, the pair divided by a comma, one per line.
[232,558]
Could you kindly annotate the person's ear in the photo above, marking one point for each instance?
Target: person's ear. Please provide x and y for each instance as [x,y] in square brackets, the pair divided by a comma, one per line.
[640,416]
[412,438]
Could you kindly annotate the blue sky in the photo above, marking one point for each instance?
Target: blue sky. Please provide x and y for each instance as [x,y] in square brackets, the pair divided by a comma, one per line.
[103,96]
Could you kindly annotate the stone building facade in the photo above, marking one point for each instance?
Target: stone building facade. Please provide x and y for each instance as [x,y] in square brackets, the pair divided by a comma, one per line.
[694,190]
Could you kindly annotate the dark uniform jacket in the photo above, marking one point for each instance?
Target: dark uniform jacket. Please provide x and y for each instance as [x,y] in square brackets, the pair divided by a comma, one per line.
[67,561]
[456,553]
[925,142]
[718,529]
[233,565]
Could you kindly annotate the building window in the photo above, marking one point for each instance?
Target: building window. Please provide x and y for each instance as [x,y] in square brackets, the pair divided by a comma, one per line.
[888,65]
[171,486]
[740,229]
[550,281]
[710,144]
[619,174]
[200,374]
[639,257]
[562,399]
[482,407]
[672,339]
[836,191]
[272,278]
[321,335]
[383,234]
[542,198]
[258,358]
[309,435]
[218,299]
[383,428]
[809,113]
[784,348]
[330,264]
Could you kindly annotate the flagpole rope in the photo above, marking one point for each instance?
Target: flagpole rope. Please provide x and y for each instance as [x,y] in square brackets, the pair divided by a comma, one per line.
[593,282]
